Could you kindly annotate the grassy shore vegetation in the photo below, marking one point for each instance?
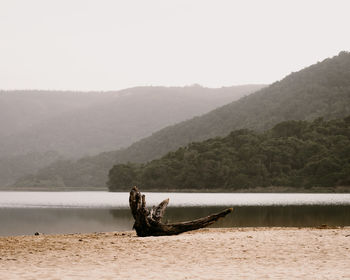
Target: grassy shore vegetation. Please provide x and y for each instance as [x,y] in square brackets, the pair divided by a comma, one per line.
[294,154]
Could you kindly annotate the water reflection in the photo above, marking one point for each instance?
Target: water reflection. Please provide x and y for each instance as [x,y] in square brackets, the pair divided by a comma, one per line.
[268,216]
[21,221]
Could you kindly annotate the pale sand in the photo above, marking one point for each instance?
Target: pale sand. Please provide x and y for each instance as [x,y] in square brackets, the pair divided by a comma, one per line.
[236,253]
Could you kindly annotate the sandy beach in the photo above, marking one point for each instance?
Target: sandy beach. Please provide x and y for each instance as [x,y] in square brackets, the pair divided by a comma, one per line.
[235,253]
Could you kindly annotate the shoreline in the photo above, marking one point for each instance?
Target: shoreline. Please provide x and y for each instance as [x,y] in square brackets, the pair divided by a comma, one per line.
[272,189]
[211,253]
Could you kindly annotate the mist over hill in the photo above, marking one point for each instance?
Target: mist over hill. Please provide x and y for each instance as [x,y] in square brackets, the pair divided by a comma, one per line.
[70,125]
[321,90]
[76,124]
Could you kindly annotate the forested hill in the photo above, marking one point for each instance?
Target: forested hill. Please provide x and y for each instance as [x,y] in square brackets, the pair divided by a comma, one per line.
[321,90]
[297,154]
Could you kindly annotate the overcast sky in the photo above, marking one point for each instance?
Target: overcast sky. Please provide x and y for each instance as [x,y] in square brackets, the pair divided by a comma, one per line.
[107,45]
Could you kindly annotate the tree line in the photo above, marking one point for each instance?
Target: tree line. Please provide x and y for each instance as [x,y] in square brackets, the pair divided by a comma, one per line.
[297,154]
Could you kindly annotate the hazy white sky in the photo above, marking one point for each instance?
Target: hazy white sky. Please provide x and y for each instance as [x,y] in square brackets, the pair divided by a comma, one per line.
[106,45]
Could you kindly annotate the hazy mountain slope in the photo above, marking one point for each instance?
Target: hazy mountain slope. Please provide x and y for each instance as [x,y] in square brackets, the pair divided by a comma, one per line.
[73,124]
[21,110]
[104,121]
[16,166]
[321,90]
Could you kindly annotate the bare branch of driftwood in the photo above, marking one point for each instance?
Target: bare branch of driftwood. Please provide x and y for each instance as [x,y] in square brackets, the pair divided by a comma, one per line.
[148,222]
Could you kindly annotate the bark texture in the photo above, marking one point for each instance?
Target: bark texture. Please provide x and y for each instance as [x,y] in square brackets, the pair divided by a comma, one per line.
[148,222]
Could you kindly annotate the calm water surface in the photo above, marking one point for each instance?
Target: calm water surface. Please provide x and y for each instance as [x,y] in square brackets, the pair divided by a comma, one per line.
[71,212]
[121,200]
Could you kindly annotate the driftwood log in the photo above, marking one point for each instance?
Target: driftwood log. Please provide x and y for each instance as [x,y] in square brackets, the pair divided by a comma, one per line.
[148,222]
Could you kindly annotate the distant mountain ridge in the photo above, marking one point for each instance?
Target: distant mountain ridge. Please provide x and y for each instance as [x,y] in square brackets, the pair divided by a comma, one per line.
[74,124]
[321,90]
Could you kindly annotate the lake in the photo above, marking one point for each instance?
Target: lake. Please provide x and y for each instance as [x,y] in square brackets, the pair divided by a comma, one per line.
[72,212]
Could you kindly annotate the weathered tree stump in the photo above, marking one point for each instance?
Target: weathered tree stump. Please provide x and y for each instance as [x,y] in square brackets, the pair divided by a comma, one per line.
[148,222]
